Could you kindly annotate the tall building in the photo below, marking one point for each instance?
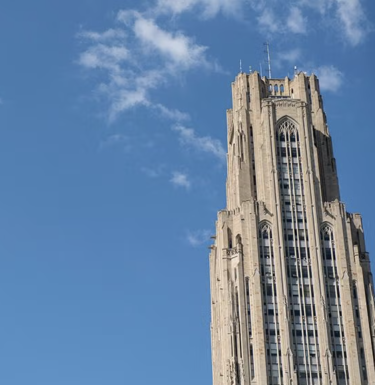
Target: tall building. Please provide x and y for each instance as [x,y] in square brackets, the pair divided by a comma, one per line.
[291,287]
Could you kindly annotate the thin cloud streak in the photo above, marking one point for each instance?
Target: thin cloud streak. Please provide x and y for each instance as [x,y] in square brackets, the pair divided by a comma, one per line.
[108,35]
[206,8]
[116,140]
[153,172]
[180,179]
[188,137]
[172,114]
[198,237]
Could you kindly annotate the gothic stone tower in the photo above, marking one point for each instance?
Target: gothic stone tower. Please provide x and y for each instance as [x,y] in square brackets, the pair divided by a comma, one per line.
[291,286]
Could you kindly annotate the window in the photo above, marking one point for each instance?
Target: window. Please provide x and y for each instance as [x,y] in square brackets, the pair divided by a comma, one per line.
[270,304]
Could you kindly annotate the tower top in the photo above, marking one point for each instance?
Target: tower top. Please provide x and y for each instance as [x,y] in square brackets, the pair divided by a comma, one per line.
[302,86]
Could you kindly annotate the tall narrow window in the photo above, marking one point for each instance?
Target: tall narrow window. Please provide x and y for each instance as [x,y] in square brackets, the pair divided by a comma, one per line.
[230,240]
[297,254]
[270,306]
[334,310]
[248,308]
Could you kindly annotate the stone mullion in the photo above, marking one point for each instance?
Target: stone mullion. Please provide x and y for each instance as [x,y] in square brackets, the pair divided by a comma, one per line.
[329,302]
[246,212]
[260,162]
[214,316]
[220,303]
[365,321]
[344,269]
[358,276]
[275,307]
[250,229]
[265,302]
[244,332]
[260,366]
[312,203]
[339,309]
[227,316]
[297,245]
[228,335]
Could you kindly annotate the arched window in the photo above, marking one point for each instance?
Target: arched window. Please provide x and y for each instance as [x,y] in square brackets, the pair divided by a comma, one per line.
[282,88]
[276,89]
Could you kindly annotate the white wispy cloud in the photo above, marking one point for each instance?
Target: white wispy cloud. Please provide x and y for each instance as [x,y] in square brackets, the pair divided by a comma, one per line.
[118,140]
[180,179]
[198,237]
[290,57]
[321,6]
[271,23]
[188,137]
[330,77]
[138,59]
[206,8]
[139,55]
[101,56]
[110,56]
[268,22]
[172,113]
[108,35]
[176,48]
[349,14]
[154,172]
[353,20]
[346,16]
[296,22]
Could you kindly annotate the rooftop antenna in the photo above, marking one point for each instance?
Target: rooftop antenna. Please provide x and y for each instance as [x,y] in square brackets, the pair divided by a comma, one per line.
[295,71]
[250,70]
[240,66]
[267,51]
[261,69]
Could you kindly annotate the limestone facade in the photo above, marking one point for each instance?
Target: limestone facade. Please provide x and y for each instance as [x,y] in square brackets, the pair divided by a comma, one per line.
[292,297]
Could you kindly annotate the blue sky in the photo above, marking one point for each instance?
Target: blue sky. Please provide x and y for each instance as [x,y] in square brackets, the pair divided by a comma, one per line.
[112,164]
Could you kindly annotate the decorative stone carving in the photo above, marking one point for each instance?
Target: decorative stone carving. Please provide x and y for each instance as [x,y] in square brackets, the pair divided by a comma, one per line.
[285,103]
